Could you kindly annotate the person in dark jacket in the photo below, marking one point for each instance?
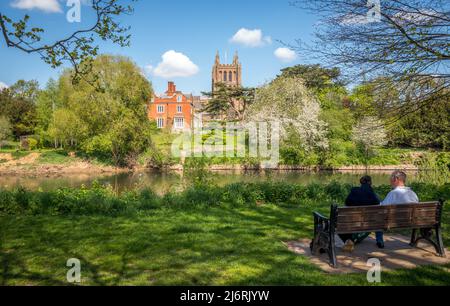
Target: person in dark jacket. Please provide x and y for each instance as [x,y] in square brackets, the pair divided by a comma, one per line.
[359,196]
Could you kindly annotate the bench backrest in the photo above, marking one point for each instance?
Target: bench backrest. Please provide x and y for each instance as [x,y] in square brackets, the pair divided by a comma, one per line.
[385,217]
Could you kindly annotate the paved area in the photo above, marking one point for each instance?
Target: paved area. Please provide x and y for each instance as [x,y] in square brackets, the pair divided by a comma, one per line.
[396,255]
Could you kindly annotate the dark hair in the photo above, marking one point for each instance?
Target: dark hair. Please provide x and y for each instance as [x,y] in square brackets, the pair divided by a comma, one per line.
[366,180]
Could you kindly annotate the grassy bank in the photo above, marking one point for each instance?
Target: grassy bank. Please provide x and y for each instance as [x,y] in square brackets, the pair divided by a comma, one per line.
[231,235]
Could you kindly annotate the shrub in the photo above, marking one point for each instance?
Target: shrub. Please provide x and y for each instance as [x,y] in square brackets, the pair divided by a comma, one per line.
[101,200]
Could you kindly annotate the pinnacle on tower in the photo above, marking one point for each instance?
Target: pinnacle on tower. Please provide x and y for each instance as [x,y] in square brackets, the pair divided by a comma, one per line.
[217,58]
[236,58]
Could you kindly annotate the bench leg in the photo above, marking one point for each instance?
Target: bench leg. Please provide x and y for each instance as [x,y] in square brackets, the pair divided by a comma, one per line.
[426,234]
[414,238]
[440,243]
[332,251]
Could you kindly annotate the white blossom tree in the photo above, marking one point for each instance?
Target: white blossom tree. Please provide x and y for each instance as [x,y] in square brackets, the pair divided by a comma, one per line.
[289,102]
[369,133]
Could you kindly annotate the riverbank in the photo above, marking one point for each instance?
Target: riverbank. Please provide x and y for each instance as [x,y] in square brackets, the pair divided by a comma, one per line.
[51,162]
[85,167]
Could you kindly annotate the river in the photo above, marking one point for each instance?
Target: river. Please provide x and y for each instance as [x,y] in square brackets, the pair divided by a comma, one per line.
[162,182]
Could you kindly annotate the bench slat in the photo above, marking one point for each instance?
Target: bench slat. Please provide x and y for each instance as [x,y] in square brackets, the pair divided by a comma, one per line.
[370,218]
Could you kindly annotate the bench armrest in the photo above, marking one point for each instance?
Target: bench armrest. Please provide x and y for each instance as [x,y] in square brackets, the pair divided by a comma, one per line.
[321,223]
[320,217]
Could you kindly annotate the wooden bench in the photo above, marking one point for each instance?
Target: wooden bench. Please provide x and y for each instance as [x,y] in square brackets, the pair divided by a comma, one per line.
[422,218]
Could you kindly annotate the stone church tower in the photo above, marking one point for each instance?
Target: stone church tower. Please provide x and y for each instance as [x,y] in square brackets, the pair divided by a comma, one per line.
[230,74]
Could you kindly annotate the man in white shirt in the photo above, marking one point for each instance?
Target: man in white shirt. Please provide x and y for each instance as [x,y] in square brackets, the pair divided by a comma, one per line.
[399,195]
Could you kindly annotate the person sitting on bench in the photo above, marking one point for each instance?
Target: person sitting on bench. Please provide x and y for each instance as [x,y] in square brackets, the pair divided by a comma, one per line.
[399,195]
[359,196]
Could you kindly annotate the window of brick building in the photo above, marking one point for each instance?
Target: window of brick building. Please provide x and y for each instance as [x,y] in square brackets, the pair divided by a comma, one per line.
[160,123]
[179,123]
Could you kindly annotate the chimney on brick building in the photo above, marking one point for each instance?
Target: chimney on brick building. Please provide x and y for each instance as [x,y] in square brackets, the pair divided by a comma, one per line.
[171,88]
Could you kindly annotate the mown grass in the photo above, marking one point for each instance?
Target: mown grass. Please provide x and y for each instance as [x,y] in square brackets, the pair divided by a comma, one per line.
[180,239]
[54,157]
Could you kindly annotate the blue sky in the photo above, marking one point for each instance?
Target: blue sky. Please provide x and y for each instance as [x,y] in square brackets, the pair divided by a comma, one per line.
[192,30]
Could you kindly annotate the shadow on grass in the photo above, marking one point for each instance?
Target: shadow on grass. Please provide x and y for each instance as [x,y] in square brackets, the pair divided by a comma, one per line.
[216,246]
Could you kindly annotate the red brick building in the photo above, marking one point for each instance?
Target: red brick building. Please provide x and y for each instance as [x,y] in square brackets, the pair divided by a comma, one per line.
[173,110]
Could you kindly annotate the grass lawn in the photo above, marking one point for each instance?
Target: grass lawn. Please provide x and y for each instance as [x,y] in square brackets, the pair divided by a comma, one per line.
[203,246]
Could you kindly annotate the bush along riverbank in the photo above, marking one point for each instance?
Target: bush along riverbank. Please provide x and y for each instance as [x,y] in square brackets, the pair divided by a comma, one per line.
[100,200]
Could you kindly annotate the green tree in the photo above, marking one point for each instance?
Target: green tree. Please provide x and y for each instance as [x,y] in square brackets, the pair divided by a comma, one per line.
[47,102]
[315,76]
[5,130]
[112,122]
[17,103]
[230,101]
[66,129]
[428,127]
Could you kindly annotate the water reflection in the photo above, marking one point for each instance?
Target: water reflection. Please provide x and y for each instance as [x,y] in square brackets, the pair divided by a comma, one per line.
[162,182]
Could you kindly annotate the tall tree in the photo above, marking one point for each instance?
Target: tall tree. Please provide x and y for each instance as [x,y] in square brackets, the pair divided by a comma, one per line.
[406,41]
[229,101]
[315,76]
[113,122]
[17,103]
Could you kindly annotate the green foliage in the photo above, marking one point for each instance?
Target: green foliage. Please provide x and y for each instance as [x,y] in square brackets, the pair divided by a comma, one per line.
[5,130]
[17,104]
[99,200]
[229,101]
[315,76]
[434,168]
[32,144]
[428,127]
[77,48]
[107,121]
[203,236]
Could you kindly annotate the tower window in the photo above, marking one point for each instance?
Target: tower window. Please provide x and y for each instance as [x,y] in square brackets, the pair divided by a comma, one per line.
[230,76]
[225,76]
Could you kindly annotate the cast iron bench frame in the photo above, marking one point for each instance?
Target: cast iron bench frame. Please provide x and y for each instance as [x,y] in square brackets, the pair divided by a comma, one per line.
[422,218]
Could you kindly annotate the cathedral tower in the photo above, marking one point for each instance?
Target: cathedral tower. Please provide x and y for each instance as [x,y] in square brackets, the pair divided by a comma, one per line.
[230,74]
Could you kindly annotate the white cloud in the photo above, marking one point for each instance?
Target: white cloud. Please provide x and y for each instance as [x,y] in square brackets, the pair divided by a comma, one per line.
[174,64]
[251,38]
[3,85]
[49,6]
[285,54]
